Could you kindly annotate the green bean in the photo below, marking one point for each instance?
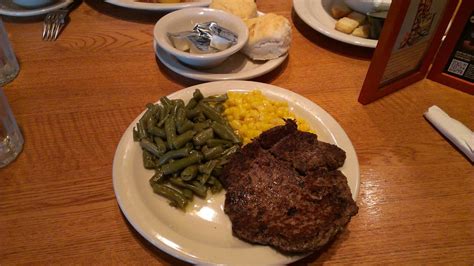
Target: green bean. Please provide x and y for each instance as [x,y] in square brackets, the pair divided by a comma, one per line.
[163,115]
[197,95]
[189,172]
[203,136]
[216,98]
[160,144]
[191,104]
[143,120]
[163,121]
[218,142]
[212,153]
[202,125]
[212,114]
[174,108]
[171,194]
[202,178]
[177,165]
[207,167]
[159,110]
[219,108]
[196,187]
[189,146]
[223,160]
[185,126]
[166,102]
[188,193]
[199,118]
[178,102]
[151,147]
[154,109]
[151,122]
[170,130]
[192,113]
[225,132]
[156,131]
[217,171]
[181,140]
[216,185]
[230,151]
[141,131]
[148,161]
[173,154]
[157,178]
[135,134]
[180,116]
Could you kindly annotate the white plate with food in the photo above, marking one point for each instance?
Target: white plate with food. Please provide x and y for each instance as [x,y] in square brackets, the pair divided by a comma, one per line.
[157,6]
[316,13]
[8,8]
[203,234]
[236,67]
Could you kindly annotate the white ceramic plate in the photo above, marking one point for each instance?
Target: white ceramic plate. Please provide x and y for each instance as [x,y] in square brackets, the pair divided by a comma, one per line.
[204,234]
[316,14]
[8,8]
[158,6]
[237,66]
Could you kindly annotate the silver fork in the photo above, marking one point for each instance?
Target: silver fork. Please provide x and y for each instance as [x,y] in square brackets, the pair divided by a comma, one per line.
[53,23]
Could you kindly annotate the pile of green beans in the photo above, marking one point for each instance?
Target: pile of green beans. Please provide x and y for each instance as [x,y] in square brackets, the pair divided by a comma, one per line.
[187,146]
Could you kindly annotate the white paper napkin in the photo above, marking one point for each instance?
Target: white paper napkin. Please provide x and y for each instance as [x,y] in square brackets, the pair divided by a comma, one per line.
[454,130]
[365,6]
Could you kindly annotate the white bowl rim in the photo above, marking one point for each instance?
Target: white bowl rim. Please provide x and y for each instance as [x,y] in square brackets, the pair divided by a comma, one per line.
[242,40]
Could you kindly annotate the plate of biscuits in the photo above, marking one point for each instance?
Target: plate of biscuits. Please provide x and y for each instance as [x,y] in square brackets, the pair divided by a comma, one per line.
[269,38]
[335,20]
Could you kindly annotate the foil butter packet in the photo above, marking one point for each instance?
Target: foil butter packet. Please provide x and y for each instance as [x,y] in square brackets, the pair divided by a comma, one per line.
[205,38]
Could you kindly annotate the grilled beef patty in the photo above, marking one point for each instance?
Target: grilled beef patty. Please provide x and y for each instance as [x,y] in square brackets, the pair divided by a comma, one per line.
[284,190]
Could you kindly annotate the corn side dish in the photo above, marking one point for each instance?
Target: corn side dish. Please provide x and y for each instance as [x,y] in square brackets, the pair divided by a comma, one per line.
[252,113]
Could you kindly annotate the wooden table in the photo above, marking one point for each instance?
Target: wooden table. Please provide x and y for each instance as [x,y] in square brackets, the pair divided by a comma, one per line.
[75,97]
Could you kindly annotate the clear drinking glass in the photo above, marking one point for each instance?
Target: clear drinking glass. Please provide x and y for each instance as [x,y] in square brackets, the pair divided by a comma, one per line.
[9,67]
[11,140]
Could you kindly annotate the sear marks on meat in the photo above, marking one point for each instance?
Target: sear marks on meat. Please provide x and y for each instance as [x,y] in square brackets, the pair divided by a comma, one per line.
[284,190]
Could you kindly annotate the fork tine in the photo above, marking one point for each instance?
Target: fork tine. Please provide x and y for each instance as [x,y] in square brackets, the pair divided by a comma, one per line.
[45,30]
[53,31]
[48,32]
[46,24]
[57,30]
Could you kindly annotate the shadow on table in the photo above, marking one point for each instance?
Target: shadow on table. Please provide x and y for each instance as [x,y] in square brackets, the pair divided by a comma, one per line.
[171,75]
[118,12]
[330,44]
[151,249]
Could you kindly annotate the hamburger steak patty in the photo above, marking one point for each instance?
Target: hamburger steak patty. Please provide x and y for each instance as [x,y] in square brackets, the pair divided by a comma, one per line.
[284,190]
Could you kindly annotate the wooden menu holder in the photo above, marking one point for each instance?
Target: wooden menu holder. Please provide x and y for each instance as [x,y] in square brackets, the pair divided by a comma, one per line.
[410,38]
[460,35]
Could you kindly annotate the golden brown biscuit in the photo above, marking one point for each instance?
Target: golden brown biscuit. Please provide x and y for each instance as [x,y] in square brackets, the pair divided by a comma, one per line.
[244,9]
[269,37]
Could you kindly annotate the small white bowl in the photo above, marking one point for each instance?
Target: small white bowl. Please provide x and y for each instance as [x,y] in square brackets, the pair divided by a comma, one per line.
[185,19]
[33,3]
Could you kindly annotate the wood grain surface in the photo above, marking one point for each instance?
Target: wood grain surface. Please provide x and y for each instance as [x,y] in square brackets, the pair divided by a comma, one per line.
[76,96]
